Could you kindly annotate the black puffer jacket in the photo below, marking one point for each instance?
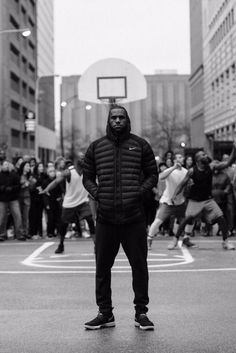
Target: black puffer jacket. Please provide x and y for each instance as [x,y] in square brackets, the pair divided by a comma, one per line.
[117,173]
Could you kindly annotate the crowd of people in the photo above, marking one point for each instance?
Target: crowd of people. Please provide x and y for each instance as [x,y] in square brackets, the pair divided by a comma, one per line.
[26,212]
[195,193]
[23,206]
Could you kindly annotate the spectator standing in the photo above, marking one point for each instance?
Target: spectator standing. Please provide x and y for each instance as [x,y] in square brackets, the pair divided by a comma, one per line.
[26,183]
[188,162]
[36,202]
[9,194]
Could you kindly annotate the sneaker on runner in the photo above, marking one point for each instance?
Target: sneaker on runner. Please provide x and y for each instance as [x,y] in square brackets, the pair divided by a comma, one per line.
[173,244]
[143,322]
[227,245]
[60,249]
[100,321]
[187,242]
[149,241]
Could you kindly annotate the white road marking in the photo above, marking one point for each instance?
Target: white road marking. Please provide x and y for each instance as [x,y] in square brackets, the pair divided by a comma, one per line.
[34,261]
[197,270]
[28,261]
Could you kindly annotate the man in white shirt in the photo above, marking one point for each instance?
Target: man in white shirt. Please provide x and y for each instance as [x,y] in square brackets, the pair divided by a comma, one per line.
[173,177]
[75,206]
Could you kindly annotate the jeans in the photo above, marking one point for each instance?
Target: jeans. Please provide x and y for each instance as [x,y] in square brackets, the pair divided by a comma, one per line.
[24,208]
[14,208]
[133,238]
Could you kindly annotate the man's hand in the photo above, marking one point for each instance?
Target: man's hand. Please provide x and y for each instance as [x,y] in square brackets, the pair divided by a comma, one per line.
[44,192]
[177,165]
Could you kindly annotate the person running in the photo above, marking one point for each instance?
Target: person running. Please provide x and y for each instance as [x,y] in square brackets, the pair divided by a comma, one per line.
[201,201]
[172,176]
[75,206]
[119,168]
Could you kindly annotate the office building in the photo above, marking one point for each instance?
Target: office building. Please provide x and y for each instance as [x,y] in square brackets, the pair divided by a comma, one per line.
[24,63]
[198,138]
[45,134]
[219,59]
[18,71]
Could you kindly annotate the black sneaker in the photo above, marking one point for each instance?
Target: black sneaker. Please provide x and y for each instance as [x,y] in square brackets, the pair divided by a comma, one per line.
[60,249]
[100,321]
[187,242]
[21,238]
[143,322]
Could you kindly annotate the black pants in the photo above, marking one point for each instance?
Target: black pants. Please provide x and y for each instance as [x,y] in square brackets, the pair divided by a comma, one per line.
[133,238]
[36,217]
[54,216]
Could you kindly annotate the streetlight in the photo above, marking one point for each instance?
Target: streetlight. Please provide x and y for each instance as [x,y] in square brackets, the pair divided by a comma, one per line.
[25,32]
[65,103]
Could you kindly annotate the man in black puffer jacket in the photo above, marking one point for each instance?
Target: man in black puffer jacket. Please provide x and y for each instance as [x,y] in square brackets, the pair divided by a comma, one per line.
[119,169]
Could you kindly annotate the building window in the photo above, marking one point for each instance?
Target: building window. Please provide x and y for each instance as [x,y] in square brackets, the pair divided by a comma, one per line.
[24,15]
[24,64]
[15,138]
[14,54]
[32,142]
[24,89]
[31,23]
[15,110]
[31,94]
[13,23]
[32,48]
[15,82]
[32,71]
[24,135]
[24,112]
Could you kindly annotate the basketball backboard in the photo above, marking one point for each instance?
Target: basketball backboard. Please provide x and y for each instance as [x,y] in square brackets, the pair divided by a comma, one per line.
[112,80]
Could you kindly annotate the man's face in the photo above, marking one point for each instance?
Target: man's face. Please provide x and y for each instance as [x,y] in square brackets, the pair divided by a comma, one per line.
[118,119]
[179,158]
[203,157]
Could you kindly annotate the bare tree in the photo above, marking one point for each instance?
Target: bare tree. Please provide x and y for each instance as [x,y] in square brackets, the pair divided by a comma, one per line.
[76,141]
[165,132]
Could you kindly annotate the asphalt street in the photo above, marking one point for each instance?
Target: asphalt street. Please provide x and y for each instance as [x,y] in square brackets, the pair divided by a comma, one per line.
[45,300]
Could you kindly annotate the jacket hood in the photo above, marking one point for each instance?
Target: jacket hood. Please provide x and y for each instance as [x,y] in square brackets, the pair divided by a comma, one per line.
[111,134]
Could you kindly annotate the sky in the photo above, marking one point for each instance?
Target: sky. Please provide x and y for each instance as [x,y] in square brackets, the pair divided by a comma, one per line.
[150,34]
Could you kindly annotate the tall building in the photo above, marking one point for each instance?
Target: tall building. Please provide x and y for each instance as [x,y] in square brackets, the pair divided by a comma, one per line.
[168,100]
[18,71]
[219,58]
[24,63]
[198,138]
[45,134]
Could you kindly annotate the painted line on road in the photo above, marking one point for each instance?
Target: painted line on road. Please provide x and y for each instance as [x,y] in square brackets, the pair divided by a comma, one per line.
[46,272]
[28,261]
[92,260]
[34,260]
